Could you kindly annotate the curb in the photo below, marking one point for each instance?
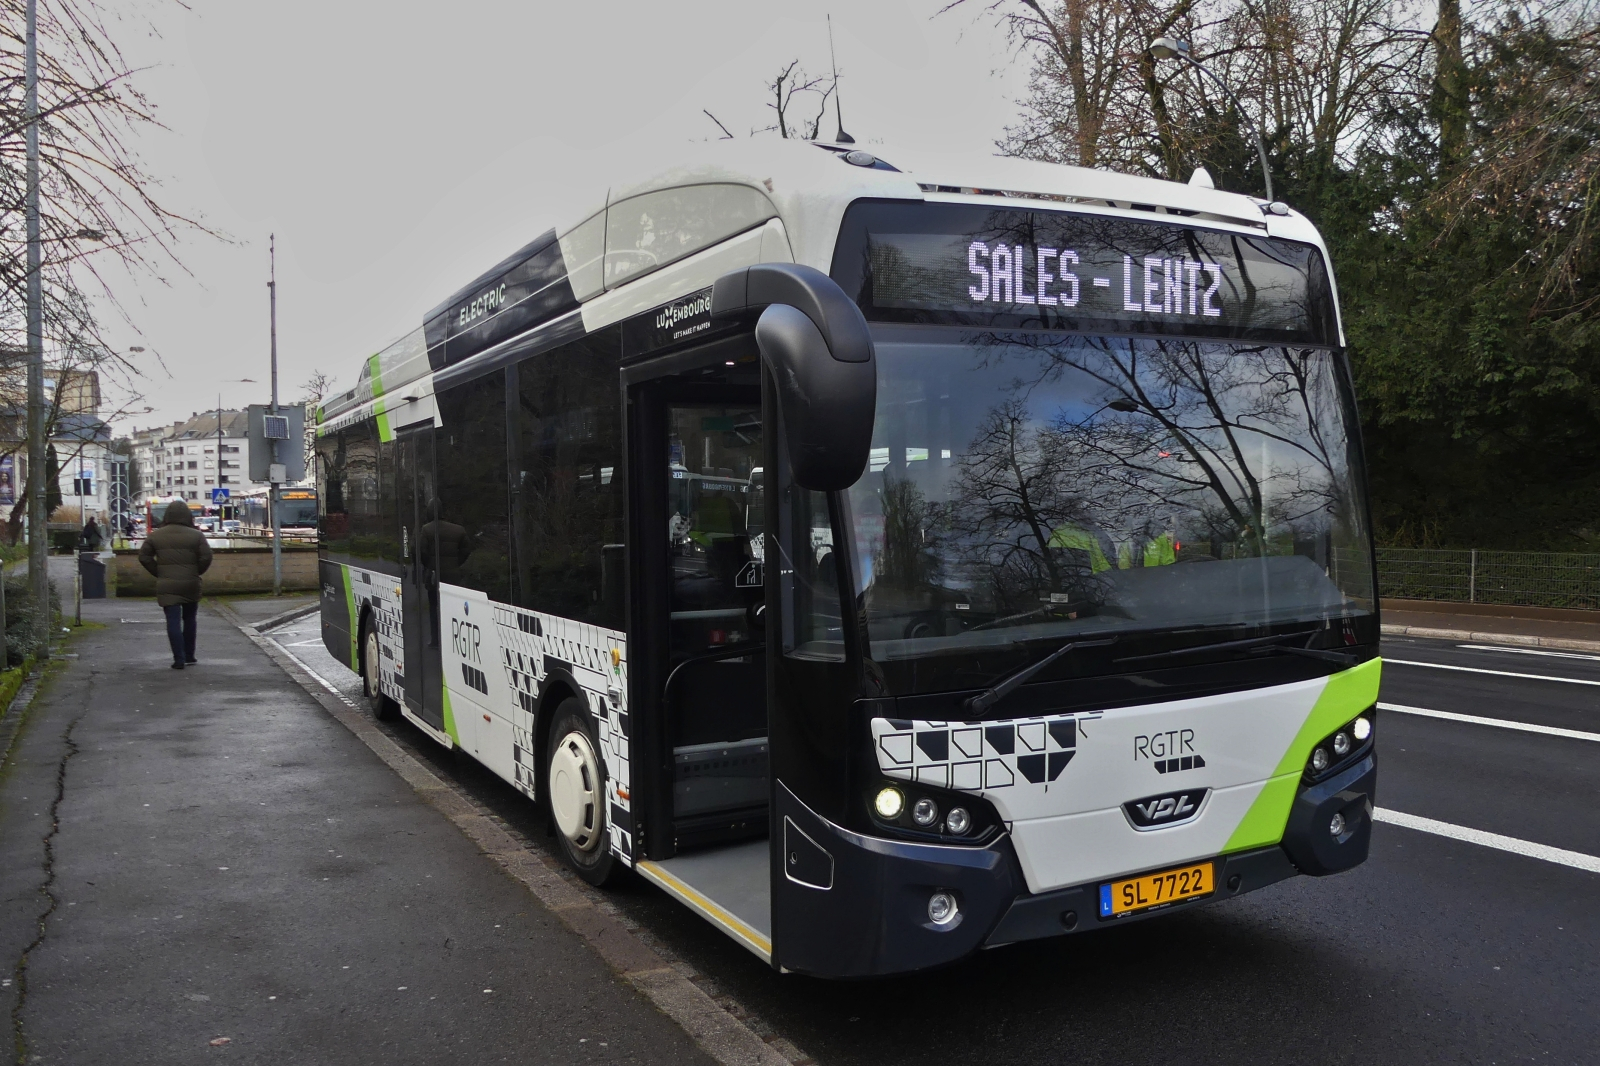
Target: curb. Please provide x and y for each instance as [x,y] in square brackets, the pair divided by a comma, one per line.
[1518,639]
[275,620]
[669,985]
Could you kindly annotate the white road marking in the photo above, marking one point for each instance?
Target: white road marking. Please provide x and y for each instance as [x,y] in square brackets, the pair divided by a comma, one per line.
[1499,723]
[324,682]
[1497,673]
[1531,651]
[303,643]
[1576,859]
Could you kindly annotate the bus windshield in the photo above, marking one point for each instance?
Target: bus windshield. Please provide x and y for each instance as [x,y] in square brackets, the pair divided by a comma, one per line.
[1028,485]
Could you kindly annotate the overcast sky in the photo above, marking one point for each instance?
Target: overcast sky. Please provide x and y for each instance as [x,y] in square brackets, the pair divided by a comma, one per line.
[399,149]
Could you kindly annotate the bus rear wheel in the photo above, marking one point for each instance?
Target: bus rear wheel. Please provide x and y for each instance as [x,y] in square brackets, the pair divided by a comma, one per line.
[576,787]
[383,708]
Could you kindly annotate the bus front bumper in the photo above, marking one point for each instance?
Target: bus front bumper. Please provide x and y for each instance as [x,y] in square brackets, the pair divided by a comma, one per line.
[848,905]
[1307,848]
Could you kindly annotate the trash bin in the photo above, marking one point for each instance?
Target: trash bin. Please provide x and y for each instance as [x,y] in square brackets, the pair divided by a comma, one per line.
[92,572]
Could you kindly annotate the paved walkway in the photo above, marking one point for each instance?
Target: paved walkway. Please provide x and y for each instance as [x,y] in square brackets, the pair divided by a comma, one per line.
[205,864]
[1440,621]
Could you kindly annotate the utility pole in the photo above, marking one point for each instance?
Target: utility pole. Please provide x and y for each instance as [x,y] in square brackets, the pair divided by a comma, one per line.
[272,493]
[38,520]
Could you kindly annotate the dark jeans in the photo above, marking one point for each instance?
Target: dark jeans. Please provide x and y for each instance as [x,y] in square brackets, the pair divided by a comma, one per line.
[180,630]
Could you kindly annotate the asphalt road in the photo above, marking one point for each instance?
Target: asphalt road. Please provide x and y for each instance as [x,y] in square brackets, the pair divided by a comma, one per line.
[1437,950]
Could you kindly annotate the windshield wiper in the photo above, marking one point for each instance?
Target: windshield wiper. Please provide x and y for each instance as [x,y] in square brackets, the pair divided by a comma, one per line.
[1327,655]
[1255,645]
[1004,687]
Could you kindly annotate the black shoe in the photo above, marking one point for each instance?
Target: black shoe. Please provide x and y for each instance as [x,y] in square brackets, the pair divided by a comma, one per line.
[191,662]
[177,666]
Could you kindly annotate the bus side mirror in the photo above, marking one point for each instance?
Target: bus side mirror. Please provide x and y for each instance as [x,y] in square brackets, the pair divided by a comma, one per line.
[815,341]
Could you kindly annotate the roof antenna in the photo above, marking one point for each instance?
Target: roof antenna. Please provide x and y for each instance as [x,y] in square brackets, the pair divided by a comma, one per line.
[838,113]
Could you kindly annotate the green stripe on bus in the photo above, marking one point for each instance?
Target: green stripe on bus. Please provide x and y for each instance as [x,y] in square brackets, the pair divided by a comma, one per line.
[449,716]
[350,606]
[375,375]
[385,431]
[1347,694]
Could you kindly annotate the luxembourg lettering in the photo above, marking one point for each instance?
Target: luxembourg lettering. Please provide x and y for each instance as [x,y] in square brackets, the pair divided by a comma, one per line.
[488,301]
[673,314]
[1049,277]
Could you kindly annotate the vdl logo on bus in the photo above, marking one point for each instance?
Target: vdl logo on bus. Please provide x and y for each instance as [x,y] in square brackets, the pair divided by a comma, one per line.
[1158,812]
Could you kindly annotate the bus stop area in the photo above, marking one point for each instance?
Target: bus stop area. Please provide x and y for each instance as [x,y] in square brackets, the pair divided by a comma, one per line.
[236,860]
[206,862]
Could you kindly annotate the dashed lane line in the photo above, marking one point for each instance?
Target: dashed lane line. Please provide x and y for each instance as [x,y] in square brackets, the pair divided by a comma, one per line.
[1498,723]
[1497,673]
[1576,859]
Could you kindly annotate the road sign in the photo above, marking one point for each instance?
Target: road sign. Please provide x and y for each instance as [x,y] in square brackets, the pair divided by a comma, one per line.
[218,495]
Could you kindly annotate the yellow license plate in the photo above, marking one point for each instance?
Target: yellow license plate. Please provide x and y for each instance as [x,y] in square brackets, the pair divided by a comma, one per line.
[1158,889]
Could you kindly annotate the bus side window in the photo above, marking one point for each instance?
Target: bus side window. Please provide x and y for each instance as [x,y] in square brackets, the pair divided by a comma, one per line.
[468,519]
[566,481]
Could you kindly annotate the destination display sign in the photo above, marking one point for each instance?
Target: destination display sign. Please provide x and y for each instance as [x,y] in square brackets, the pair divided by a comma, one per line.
[1043,269]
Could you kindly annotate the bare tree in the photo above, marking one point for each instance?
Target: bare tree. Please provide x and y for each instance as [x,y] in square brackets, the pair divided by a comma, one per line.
[1530,162]
[1312,74]
[792,90]
[98,203]
[791,82]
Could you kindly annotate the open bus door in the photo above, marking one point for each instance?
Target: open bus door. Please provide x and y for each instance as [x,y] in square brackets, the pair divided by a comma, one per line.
[743,675]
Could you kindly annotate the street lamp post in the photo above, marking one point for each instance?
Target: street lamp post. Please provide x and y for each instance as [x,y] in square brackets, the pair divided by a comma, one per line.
[1170,48]
[272,471]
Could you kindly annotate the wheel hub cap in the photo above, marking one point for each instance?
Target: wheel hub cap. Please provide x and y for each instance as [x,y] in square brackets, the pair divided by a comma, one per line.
[574,790]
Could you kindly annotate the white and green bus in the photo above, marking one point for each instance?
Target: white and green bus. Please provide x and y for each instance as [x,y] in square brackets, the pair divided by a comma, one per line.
[890,555]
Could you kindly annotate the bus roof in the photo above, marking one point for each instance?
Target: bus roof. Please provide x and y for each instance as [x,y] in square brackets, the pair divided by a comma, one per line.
[780,200]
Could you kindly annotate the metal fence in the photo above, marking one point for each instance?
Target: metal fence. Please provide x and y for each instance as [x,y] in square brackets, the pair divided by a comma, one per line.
[1531,579]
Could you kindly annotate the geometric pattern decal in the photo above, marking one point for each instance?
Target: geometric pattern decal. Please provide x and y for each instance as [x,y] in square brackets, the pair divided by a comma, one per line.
[978,756]
[531,645]
[380,592]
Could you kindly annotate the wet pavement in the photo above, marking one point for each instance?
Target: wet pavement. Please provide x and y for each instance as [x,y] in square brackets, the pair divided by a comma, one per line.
[204,862]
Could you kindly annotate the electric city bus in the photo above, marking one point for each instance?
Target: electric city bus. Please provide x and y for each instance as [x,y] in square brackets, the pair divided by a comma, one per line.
[889,555]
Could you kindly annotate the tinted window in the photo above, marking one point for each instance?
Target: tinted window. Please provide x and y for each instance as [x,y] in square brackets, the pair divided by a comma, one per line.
[355,483]
[647,232]
[567,481]
[470,516]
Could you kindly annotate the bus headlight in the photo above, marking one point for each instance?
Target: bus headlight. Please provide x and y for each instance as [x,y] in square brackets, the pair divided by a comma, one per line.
[889,803]
[925,811]
[958,821]
[1345,745]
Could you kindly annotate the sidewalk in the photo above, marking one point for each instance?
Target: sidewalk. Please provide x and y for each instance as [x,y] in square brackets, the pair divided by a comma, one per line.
[198,855]
[1447,621]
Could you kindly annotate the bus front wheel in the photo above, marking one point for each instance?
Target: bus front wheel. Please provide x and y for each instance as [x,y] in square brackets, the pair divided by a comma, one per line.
[383,708]
[576,785]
